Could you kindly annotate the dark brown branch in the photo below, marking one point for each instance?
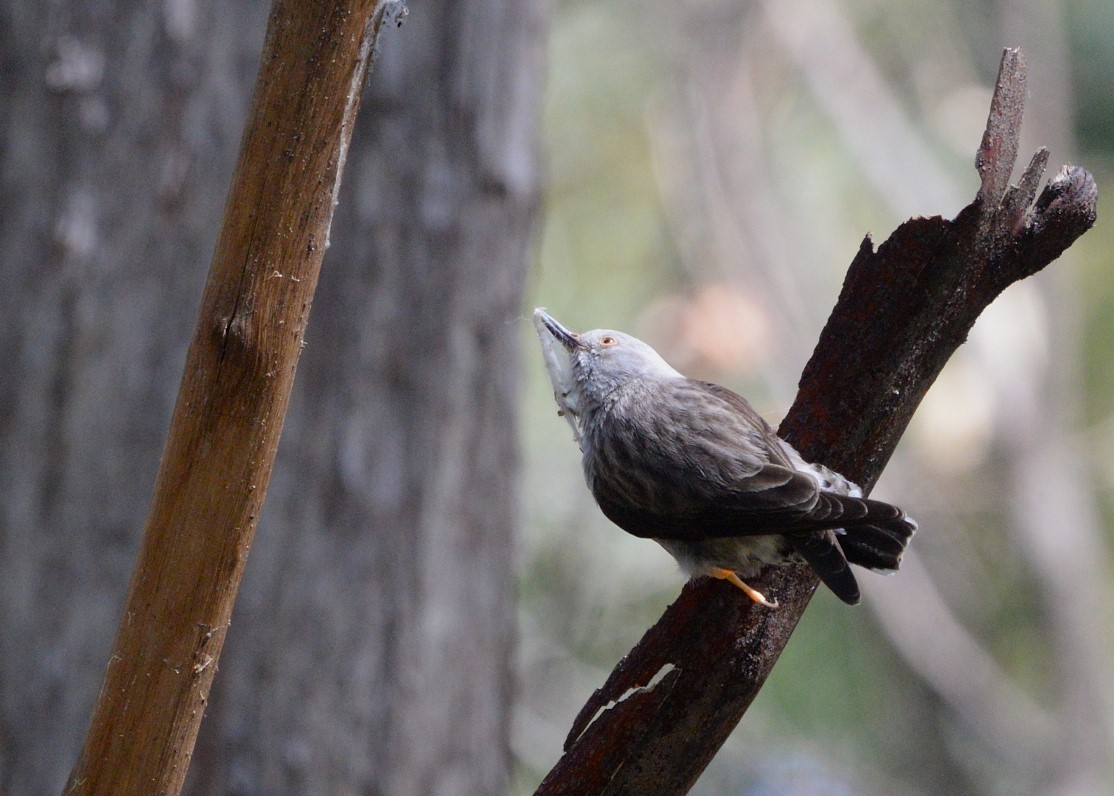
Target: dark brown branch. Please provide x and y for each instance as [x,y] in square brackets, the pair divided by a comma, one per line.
[903,310]
[233,397]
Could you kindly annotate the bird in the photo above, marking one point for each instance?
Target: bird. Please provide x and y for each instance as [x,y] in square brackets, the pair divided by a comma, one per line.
[691,465]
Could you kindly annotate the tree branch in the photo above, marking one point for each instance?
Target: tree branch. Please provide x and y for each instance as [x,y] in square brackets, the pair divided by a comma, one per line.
[233,397]
[903,310]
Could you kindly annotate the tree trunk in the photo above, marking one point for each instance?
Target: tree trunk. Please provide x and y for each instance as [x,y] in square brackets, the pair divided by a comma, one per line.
[370,651]
[118,133]
[228,417]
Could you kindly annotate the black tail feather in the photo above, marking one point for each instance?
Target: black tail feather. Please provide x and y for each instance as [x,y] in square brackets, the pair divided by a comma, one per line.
[879,539]
[859,546]
[824,554]
[873,535]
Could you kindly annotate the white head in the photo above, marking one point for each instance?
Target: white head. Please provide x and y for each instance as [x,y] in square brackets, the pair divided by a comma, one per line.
[585,368]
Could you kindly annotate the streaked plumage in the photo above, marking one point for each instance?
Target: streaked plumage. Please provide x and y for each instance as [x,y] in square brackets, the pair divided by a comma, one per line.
[691,465]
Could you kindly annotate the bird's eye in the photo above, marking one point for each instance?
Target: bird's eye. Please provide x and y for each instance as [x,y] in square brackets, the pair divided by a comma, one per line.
[608,341]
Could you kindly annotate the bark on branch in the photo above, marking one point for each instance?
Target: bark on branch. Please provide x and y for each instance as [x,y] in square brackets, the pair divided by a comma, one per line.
[234,392]
[903,310]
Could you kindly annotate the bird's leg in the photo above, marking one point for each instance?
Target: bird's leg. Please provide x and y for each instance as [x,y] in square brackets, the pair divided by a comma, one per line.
[731,577]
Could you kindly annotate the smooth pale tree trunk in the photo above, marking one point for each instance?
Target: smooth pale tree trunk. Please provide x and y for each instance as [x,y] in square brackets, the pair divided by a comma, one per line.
[118,128]
[370,649]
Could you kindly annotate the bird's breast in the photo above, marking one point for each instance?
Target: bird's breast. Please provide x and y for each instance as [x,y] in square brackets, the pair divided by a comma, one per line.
[630,463]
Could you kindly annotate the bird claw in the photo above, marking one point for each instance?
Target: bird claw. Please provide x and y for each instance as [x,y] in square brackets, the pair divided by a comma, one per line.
[749,591]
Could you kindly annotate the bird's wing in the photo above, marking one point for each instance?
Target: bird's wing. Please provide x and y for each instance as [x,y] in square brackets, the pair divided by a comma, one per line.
[694,460]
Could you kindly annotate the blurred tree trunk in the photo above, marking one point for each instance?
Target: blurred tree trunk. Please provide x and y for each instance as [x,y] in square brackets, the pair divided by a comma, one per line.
[370,650]
[1053,506]
[118,127]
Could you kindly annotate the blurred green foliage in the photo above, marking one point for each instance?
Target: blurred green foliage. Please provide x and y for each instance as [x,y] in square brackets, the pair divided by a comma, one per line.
[842,699]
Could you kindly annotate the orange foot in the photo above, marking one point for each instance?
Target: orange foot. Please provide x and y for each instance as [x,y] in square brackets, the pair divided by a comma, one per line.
[731,577]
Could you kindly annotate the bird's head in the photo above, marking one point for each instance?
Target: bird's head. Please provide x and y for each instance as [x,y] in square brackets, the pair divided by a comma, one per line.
[586,368]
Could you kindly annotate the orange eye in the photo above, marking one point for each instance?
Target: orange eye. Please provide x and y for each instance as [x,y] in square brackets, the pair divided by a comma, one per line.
[608,341]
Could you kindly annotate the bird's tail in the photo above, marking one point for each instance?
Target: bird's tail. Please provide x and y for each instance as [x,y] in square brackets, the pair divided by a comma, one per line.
[877,547]
[870,533]
[875,534]
[823,553]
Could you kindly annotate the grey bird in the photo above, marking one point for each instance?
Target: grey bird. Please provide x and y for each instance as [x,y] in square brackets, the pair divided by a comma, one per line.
[692,466]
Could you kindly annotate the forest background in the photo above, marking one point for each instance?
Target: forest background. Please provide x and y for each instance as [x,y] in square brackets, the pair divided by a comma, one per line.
[432,594]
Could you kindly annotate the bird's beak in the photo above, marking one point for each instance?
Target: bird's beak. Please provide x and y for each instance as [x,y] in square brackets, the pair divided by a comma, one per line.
[559,347]
[570,340]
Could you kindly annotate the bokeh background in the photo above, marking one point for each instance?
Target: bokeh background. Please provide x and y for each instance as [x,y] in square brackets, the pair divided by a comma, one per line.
[711,168]
[432,594]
